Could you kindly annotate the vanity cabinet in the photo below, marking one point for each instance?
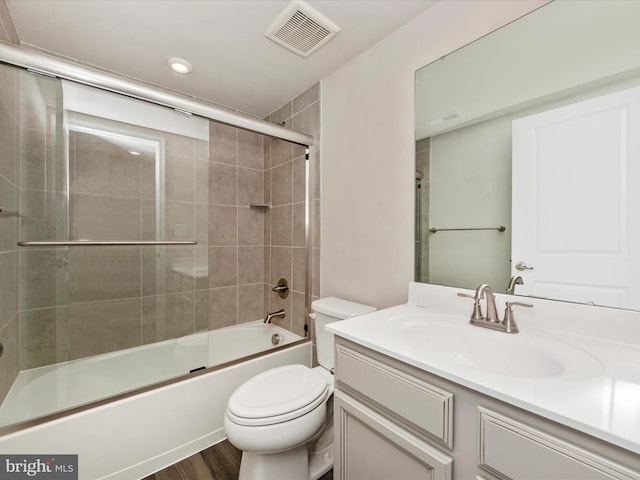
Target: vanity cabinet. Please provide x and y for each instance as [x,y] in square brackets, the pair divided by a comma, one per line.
[395,421]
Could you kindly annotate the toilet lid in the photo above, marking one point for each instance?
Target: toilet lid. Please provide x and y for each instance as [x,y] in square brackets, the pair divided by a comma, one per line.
[277,395]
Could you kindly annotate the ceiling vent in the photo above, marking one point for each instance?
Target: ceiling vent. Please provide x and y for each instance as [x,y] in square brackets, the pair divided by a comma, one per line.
[301,29]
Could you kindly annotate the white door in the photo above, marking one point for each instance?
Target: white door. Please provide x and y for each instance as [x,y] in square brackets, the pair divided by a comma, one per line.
[576,201]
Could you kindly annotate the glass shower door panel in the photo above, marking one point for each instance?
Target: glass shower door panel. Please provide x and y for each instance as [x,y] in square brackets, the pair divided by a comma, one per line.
[33,145]
[97,321]
[43,216]
[137,173]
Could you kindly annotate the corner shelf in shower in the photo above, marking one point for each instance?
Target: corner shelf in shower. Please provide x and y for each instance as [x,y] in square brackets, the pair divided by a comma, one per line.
[261,206]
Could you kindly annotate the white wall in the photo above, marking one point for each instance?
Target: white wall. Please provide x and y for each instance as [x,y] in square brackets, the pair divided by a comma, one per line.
[368,149]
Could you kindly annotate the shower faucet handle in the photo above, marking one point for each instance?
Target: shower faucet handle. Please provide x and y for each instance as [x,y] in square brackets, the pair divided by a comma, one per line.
[282,288]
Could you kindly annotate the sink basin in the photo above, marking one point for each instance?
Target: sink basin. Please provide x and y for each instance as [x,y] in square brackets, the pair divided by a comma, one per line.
[452,339]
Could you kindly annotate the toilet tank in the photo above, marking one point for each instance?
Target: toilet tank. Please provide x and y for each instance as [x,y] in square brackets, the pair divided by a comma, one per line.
[329,310]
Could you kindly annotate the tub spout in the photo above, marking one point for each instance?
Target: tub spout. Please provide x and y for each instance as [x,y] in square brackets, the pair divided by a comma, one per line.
[280,313]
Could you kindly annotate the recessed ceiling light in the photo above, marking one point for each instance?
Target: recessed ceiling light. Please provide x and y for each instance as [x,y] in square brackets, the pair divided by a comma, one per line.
[179,65]
[135,152]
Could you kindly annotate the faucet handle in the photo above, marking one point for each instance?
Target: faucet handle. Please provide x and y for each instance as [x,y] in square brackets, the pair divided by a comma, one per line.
[466,295]
[477,309]
[509,322]
[519,304]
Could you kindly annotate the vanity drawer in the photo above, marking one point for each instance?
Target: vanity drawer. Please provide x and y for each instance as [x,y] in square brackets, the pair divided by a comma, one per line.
[405,397]
[517,451]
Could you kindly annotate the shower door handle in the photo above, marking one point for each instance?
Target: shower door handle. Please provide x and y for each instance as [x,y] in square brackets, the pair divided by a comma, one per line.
[99,243]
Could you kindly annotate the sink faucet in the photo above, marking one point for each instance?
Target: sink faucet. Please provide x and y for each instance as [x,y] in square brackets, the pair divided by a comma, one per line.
[492,321]
[515,280]
[492,312]
[280,313]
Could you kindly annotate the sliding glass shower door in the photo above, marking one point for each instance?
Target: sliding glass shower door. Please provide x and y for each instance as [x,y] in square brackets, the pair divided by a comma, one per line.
[132,178]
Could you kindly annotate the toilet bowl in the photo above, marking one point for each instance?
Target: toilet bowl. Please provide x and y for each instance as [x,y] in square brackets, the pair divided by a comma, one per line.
[282,419]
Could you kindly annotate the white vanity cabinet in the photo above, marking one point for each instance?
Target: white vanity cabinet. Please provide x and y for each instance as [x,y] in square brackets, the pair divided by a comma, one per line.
[398,422]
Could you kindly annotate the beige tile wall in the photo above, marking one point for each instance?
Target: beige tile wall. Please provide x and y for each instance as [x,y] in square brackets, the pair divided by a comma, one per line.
[236,240]
[251,249]
[285,189]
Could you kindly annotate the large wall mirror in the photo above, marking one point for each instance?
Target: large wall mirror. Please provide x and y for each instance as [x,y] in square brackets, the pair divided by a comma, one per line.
[528,157]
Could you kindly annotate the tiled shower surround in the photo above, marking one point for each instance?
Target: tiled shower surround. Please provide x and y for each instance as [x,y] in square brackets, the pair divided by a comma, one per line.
[255,247]
[77,302]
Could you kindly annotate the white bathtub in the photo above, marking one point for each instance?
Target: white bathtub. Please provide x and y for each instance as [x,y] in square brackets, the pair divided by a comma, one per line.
[137,435]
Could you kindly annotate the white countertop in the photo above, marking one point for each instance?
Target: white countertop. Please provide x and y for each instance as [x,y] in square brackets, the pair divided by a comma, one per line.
[593,387]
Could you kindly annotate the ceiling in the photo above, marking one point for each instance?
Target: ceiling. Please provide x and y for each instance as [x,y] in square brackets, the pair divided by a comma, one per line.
[234,64]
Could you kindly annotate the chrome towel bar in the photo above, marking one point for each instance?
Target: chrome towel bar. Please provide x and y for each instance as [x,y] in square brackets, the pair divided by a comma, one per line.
[95,243]
[500,228]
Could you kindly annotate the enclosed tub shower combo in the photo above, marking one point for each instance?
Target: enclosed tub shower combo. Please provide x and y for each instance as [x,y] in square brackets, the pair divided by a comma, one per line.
[139,246]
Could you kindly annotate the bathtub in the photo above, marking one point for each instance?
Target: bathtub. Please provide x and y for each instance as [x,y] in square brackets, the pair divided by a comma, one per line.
[133,435]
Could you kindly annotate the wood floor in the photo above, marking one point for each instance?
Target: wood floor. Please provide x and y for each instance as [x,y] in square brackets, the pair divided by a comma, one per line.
[220,462]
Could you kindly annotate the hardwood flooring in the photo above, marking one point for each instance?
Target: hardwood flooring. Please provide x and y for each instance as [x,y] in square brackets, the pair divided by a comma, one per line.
[220,462]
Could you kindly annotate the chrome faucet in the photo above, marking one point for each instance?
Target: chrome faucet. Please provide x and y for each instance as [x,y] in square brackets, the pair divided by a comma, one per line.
[515,280]
[280,313]
[508,324]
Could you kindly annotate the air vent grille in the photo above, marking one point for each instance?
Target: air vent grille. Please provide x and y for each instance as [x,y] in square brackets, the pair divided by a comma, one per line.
[301,29]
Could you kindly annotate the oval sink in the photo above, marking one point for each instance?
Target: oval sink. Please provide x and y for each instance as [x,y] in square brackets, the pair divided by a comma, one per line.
[451,339]
[501,356]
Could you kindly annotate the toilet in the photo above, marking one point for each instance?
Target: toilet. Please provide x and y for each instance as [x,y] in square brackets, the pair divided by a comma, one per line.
[282,419]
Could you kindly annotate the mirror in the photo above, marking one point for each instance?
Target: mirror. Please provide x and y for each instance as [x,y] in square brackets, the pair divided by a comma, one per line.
[469,105]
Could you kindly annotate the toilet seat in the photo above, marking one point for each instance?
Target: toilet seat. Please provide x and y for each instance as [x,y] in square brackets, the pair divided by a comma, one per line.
[277,395]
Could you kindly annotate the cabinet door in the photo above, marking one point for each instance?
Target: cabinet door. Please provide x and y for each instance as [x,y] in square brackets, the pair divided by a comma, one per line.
[371,447]
[518,451]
